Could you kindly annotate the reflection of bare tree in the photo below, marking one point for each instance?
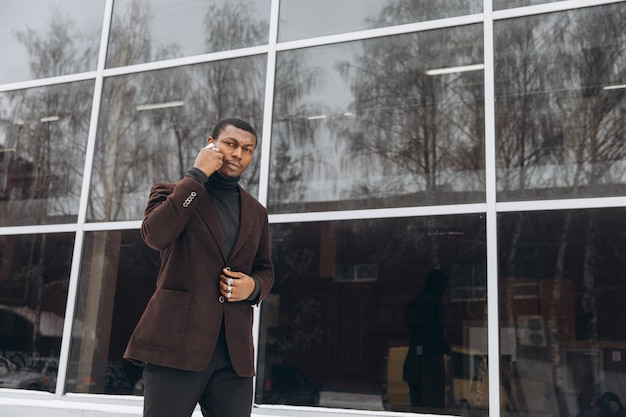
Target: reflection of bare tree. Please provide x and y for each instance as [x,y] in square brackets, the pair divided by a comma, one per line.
[412,125]
[413,131]
[522,141]
[303,328]
[50,135]
[117,150]
[232,25]
[61,50]
[520,145]
[131,42]
[401,11]
[598,145]
[139,144]
[558,128]
[291,128]
[233,88]
[46,131]
[554,339]
[46,128]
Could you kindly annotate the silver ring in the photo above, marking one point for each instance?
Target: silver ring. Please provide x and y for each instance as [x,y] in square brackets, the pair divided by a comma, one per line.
[229,289]
[229,281]
[228,295]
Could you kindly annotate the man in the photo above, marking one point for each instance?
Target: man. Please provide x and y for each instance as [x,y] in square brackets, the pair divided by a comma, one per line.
[195,336]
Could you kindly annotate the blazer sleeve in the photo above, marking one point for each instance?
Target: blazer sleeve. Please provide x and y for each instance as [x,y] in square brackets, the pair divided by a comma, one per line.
[169,204]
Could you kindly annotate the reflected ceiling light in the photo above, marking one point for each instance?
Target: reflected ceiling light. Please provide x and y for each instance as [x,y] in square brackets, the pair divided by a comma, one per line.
[348,114]
[7,150]
[323,116]
[49,119]
[450,70]
[164,105]
[614,87]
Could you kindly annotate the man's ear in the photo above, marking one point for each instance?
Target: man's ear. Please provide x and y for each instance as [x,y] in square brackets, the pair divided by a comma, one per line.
[210,140]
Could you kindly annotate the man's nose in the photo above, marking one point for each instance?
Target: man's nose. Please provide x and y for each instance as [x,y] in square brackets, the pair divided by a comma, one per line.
[237,152]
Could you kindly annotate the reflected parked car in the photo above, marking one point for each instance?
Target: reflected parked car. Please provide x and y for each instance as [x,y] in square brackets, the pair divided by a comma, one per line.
[286,384]
[40,374]
[467,382]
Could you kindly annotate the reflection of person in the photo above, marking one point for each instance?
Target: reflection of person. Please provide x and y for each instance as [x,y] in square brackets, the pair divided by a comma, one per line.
[195,336]
[424,366]
[606,405]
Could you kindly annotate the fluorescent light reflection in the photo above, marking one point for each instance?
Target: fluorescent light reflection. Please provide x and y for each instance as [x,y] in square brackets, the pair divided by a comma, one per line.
[164,105]
[49,119]
[614,87]
[450,70]
[326,116]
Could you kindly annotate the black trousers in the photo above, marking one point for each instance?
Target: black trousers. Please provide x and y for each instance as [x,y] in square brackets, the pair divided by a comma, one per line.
[218,389]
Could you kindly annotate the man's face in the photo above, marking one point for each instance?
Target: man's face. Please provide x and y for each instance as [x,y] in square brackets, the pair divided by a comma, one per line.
[238,146]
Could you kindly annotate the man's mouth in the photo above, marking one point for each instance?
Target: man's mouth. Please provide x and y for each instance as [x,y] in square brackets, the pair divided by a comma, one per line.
[233,165]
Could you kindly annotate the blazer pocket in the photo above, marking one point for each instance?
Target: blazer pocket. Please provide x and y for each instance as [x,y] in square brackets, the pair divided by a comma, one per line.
[163,323]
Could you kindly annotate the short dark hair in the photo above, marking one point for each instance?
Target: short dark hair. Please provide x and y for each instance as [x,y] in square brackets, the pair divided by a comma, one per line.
[233,121]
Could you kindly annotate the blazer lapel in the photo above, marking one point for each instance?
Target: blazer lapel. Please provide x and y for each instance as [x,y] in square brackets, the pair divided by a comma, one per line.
[245,221]
[207,211]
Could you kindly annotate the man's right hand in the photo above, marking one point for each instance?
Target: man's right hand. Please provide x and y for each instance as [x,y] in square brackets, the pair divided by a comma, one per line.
[209,159]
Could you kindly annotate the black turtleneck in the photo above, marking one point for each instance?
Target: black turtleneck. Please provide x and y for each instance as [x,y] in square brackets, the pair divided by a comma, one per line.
[225,195]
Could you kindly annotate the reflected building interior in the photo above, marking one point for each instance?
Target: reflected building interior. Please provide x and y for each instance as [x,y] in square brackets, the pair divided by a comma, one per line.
[482,139]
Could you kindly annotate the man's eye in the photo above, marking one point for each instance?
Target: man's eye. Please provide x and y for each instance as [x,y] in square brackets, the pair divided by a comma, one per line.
[248,150]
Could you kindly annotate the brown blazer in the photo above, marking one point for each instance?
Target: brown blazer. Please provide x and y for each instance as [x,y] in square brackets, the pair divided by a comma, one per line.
[182,321]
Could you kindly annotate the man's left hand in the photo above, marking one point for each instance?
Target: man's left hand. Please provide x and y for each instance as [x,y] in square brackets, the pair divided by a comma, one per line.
[236,286]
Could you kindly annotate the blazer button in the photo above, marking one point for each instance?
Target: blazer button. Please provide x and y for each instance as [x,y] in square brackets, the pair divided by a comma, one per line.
[221,299]
[189,199]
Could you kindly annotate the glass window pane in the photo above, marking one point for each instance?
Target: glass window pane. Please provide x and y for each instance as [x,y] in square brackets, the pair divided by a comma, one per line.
[43,139]
[118,273]
[388,122]
[560,104]
[301,19]
[508,4]
[562,310]
[40,39]
[145,31]
[153,124]
[34,279]
[333,330]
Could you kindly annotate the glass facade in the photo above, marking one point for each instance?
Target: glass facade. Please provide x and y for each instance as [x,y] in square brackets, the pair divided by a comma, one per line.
[152,123]
[336,318]
[34,280]
[300,19]
[559,115]
[352,131]
[144,31]
[561,285]
[40,39]
[444,182]
[44,133]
